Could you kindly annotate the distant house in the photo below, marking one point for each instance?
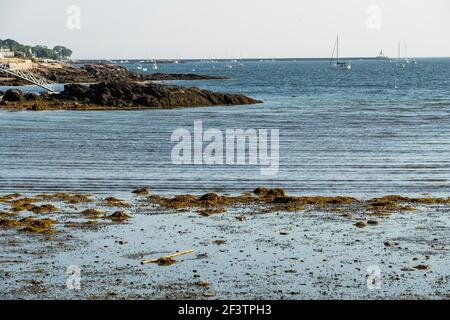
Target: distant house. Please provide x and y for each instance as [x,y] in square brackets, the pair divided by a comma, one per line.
[6,53]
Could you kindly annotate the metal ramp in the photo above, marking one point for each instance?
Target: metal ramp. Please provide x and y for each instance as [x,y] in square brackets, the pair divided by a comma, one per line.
[27,76]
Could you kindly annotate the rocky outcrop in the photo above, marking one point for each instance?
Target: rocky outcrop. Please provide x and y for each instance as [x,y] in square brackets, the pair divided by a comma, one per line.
[13,95]
[94,73]
[123,95]
[89,73]
[149,95]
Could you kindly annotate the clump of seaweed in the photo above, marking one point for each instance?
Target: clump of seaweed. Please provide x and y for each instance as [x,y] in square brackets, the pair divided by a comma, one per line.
[361,224]
[46,208]
[6,214]
[92,212]
[285,208]
[177,202]
[119,216]
[37,230]
[9,223]
[316,200]
[26,206]
[22,204]
[206,200]
[276,197]
[66,197]
[141,191]
[9,197]
[396,203]
[30,225]
[264,192]
[114,202]
[84,224]
[165,261]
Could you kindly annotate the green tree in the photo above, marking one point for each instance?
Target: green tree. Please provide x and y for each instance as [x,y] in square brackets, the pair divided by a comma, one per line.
[62,52]
[42,52]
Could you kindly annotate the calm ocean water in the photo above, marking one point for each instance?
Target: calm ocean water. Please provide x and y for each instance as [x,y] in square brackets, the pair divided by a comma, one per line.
[377,129]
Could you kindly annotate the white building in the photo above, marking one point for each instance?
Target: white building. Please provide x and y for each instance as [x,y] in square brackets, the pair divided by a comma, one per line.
[6,53]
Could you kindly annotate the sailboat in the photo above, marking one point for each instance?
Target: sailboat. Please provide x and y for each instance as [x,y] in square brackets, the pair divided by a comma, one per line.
[154,66]
[338,65]
[406,54]
[400,62]
[382,56]
[407,60]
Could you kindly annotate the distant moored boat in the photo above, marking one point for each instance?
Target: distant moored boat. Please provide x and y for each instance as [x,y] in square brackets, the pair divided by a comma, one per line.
[382,56]
[338,65]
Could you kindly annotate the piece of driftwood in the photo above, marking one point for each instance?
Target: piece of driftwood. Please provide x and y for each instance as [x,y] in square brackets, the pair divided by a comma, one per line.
[167,260]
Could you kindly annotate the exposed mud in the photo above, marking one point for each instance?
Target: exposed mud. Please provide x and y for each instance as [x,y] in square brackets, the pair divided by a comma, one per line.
[257,245]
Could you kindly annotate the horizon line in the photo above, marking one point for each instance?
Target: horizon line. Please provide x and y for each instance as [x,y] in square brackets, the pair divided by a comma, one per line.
[267,58]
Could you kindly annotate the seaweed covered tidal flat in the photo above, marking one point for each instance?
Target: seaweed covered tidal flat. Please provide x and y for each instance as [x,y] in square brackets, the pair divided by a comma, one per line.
[210,246]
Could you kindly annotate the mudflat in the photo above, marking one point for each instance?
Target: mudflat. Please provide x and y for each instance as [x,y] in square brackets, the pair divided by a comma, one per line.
[223,246]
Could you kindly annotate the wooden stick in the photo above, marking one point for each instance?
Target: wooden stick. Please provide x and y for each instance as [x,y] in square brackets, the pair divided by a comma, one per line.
[173,255]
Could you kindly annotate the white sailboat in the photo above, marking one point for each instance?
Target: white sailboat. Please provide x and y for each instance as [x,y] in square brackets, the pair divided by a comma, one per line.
[400,61]
[382,56]
[338,65]
[407,60]
[155,65]
[406,54]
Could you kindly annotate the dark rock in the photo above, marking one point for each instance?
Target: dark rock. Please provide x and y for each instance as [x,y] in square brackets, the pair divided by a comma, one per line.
[31,96]
[13,95]
[260,191]
[88,74]
[115,95]
[94,73]
[73,91]
[151,95]
[36,107]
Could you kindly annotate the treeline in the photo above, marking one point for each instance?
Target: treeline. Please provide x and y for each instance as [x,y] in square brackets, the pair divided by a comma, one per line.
[41,52]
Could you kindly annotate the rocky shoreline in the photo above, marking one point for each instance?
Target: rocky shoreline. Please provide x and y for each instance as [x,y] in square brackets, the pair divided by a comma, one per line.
[93,73]
[115,88]
[120,96]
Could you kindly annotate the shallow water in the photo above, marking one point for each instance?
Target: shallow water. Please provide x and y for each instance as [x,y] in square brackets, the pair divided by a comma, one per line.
[377,129]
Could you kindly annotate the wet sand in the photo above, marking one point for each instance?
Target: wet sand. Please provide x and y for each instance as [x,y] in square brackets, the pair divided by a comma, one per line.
[258,246]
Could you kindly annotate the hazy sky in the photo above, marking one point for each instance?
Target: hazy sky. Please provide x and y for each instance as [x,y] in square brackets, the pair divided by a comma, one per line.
[230,28]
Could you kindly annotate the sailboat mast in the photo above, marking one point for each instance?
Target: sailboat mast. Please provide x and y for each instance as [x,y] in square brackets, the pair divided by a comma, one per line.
[337,48]
[399,51]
